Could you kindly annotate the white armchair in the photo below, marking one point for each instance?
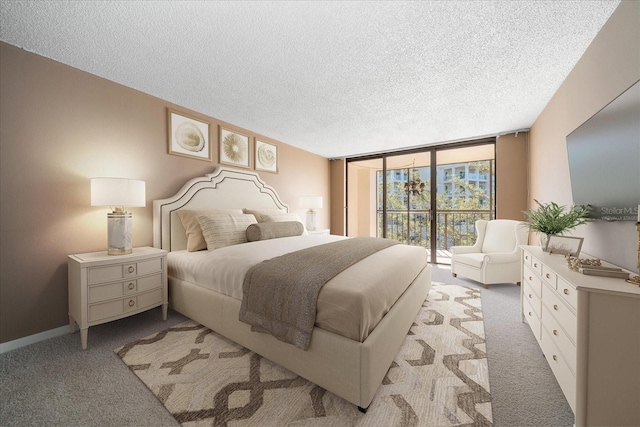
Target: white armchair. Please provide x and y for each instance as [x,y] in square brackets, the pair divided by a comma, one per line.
[495,257]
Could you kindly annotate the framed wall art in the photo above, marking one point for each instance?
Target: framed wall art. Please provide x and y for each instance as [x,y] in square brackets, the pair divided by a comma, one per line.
[563,245]
[234,148]
[266,158]
[188,137]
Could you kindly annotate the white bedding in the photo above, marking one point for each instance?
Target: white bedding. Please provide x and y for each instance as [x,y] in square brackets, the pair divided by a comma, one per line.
[351,304]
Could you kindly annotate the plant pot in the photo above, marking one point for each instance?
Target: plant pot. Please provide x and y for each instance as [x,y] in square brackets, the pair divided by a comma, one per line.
[544,239]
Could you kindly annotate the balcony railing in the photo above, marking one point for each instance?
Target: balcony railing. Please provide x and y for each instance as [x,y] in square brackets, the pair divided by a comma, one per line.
[454,227]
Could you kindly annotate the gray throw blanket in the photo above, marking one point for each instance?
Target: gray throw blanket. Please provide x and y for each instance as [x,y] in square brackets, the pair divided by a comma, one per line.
[280,294]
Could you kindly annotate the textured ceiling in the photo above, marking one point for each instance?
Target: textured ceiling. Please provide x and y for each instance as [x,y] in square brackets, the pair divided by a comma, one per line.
[333,78]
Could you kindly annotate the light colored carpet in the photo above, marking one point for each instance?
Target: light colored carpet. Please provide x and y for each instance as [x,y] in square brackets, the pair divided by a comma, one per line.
[439,377]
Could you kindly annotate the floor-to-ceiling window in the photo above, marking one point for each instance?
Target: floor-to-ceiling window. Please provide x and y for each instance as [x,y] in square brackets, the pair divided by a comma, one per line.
[429,197]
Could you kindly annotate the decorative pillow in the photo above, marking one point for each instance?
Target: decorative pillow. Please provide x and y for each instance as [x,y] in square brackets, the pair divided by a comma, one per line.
[259,212]
[195,239]
[221,230]
[274,230]
[280,217]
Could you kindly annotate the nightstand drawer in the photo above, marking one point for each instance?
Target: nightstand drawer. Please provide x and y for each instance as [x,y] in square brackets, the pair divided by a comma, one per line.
[106,292]
[125,270]
[113,290]
[104,274]
[117,307]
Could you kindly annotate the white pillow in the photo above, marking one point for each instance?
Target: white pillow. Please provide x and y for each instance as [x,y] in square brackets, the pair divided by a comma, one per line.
[220,230]
[195,239]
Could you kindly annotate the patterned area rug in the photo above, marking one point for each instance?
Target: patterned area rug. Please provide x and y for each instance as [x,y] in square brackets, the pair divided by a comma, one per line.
[439,377]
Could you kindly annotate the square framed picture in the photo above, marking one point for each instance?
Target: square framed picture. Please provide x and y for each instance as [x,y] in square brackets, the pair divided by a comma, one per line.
[188,137]
[564,245]
[266,157]
[234,148]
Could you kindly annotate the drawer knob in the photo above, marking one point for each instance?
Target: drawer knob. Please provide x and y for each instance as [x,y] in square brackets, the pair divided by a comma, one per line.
[131,286]
[529,313]
[565,291]
[530,278]
[555,332]
[131,269]
[547,276]
[535,264]
[530,296]
[555,357]
[131,303]
[555,307]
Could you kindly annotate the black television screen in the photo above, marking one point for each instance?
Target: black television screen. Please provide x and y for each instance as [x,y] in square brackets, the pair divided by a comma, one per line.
[604,159]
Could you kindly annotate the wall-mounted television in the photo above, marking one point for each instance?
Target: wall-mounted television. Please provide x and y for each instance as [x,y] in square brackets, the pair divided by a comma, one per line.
[604,159]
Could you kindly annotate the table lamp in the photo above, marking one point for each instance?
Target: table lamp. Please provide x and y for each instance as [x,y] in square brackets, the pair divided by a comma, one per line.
[118,193]
[311,203]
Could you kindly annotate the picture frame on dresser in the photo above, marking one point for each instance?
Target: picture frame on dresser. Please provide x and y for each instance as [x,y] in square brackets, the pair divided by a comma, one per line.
[564,245]
[188,136]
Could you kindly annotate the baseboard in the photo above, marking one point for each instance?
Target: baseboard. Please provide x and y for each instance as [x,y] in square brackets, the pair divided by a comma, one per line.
[32,339]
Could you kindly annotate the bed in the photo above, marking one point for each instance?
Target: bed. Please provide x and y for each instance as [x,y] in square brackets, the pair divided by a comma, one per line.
[352,368]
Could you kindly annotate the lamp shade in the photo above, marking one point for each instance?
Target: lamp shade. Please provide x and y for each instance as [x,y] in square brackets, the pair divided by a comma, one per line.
[117,192]
[311,202]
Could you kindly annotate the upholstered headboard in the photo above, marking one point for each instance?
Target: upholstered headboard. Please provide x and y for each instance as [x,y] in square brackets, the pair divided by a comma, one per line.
[224,188]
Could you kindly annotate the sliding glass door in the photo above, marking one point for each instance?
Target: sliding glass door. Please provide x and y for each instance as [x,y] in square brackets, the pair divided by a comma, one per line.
[403,197]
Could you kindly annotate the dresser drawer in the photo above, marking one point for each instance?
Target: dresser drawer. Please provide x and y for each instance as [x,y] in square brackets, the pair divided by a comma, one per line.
[563,374]
[532,298]
[562,341]
[568,293]
[536,265]
[532,279]
[549,277]
[560,311]
[532,319]
[527,258]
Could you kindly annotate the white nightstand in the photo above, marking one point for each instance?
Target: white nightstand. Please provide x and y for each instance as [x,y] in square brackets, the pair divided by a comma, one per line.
[319,231]
[105,287]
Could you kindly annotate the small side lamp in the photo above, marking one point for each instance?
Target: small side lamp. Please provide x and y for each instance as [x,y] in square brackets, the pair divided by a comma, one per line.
[118,193]
[311,203]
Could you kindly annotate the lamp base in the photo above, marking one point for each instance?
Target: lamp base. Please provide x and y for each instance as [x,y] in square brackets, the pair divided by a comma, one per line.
[311,219]
[119,231]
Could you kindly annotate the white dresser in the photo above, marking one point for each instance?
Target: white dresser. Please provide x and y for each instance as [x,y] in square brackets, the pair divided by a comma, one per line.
[105,287]
[588,328]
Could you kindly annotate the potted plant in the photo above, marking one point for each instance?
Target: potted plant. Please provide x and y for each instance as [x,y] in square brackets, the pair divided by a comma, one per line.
[551,218]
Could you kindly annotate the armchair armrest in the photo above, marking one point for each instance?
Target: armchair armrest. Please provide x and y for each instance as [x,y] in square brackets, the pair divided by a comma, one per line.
[465,249]
[501,257]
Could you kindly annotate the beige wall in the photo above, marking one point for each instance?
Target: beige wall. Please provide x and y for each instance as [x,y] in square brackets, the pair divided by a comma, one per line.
[610,65]
[58,128]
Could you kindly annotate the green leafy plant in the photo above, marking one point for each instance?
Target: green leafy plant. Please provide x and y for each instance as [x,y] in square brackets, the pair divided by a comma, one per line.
[551,218]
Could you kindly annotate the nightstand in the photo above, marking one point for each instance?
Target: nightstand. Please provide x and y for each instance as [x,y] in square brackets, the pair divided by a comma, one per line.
[319,231]
[105,287]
